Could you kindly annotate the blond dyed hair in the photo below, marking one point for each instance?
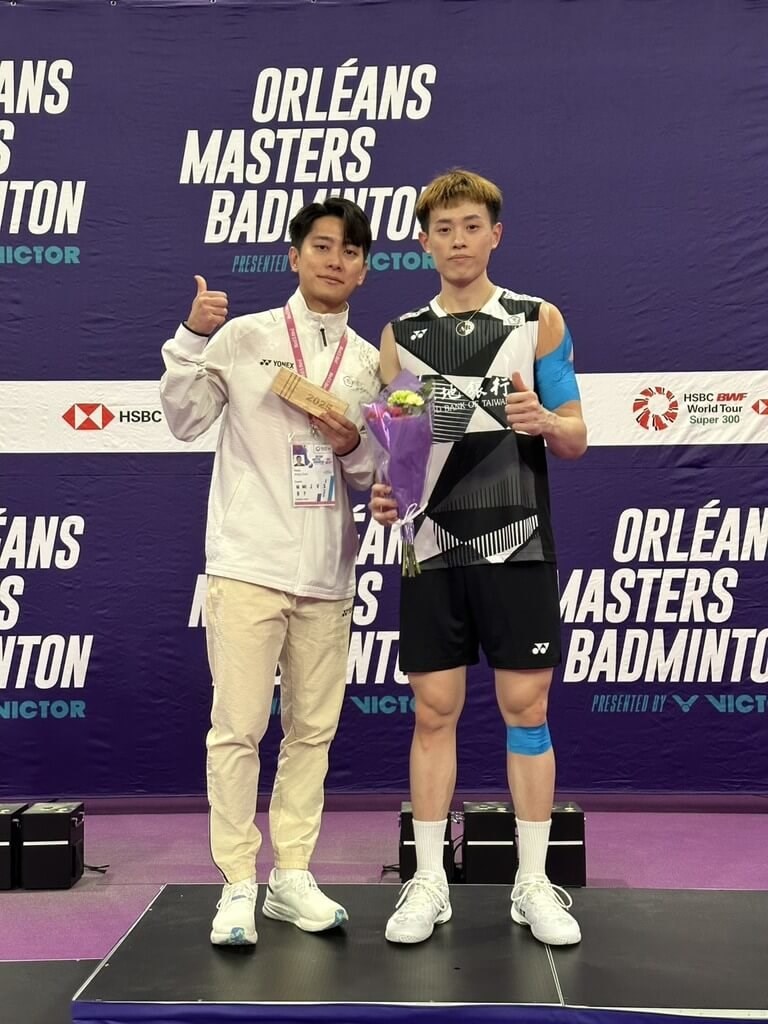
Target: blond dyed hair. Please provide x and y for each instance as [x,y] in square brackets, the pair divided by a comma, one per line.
[454,187]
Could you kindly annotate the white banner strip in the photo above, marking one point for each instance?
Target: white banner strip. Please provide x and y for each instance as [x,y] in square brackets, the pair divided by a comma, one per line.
[100,417]
[642,409]
[621,409]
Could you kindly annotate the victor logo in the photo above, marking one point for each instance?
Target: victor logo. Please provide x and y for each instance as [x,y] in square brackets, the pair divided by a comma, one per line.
[683,704]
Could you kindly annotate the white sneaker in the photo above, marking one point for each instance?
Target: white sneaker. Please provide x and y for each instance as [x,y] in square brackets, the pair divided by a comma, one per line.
[423,902]
[544,908]
[295,897]
[235,922]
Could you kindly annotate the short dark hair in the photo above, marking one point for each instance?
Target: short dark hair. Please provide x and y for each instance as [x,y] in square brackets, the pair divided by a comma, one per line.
[357,227]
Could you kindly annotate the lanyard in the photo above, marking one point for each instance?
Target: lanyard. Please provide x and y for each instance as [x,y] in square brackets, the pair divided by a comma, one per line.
[301,368]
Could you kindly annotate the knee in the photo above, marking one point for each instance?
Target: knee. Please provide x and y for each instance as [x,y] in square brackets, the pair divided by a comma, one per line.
[231,744]
[229,729]
[529,715]
[311,734]
[432,719]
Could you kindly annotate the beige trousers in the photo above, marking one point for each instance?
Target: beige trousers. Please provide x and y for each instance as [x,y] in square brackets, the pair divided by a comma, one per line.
[250,629]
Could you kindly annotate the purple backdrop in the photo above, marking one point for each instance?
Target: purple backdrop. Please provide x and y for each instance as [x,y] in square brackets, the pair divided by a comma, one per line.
[141,143]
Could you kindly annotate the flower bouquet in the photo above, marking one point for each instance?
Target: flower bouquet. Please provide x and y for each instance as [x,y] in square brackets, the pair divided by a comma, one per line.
[399,422]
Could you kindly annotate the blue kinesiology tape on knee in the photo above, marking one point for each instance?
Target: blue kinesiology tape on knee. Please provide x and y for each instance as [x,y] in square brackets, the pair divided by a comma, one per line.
[529,740]
[554,376]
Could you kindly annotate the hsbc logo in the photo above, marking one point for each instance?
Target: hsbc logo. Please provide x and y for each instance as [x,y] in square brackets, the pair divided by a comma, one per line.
[761,407]
[540,648]
[88,416]
[96,416]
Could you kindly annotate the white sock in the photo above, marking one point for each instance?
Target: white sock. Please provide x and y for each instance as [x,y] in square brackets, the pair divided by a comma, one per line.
[532,840]
[429,837]
[283,874]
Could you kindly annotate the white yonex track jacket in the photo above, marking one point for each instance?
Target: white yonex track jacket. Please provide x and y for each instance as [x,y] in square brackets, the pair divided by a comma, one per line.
[254,533]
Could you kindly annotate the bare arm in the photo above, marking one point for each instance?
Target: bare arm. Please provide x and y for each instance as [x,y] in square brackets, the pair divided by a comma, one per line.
[390,364]
[383,508]
[562,426]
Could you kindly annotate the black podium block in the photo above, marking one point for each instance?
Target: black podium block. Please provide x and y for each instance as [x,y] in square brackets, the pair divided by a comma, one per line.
[52,845]
[489,847]
[489,853]
[10,844]
[408,849]
[567,853]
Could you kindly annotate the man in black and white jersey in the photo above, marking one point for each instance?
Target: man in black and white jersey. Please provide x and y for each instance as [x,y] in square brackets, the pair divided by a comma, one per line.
[501,367]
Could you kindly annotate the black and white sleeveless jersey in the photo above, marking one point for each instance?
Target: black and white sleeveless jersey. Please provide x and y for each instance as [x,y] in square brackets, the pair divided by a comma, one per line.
[487,494]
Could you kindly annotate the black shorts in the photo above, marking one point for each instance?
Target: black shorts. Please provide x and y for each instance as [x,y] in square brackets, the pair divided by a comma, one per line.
[510,610]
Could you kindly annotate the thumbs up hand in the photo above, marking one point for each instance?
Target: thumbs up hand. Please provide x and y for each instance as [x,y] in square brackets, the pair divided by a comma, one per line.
[209,309]
[525,413]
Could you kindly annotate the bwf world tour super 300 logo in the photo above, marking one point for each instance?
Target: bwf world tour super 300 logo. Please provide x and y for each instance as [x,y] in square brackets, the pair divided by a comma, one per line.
[655,408]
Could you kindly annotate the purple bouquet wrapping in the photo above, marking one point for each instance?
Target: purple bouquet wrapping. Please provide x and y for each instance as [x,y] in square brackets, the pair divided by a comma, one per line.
[399,422]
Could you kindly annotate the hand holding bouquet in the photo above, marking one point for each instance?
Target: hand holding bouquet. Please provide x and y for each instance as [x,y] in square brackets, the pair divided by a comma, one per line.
[399,423]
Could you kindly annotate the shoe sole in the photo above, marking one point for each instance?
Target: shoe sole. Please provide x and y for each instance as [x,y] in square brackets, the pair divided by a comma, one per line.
[279,912]
[234,937]
[519,919]
[411,940]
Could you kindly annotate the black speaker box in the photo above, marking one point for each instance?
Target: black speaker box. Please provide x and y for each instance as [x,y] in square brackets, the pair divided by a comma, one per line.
[52,845]
[10,845]
[567,854]
[489,853]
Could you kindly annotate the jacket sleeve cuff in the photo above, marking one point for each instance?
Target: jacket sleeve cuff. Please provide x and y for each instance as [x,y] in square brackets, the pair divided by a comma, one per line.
[357,465]
[188,341]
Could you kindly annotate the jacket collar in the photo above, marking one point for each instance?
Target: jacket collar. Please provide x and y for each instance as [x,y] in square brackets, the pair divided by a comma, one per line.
[333,324]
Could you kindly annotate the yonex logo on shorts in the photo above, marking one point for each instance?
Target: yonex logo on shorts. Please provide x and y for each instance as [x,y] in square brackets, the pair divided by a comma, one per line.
[540,648]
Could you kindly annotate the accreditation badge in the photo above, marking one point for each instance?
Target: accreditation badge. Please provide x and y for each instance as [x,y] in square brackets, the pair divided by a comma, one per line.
[313,472]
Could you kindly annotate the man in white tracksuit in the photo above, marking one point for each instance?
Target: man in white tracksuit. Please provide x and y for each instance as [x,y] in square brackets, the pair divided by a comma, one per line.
[280,553]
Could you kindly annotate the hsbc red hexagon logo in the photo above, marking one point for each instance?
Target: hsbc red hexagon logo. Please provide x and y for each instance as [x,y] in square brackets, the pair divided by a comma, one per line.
[88,416]
[761,407]
[655,408]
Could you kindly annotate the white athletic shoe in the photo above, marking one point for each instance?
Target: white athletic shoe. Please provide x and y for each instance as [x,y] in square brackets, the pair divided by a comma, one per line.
[423,902]
[235,921]
[544,908]
[295,897]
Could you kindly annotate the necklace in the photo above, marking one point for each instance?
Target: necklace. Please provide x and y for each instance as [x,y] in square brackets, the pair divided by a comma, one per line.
[464,325]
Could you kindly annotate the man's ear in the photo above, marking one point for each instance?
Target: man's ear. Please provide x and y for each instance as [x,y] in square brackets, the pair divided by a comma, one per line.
[293,258]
